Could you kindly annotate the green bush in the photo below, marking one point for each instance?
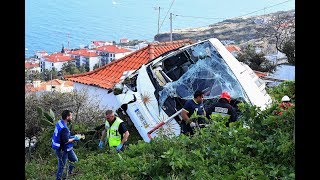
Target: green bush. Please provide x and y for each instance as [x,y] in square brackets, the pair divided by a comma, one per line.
[285,88]
[258,146]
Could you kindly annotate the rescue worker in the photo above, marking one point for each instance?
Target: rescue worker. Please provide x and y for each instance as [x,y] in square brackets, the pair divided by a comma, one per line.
[192,106]
[116,132]
[62,143]
[224,108]
[284,105]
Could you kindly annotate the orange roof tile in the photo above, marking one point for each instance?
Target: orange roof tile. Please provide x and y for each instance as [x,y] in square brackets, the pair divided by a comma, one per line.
[260,74]
[58,57]
[30,88]
[84,52]
[98,43]
[112,49]
[58,82]
[232,48]
[29,65]
[107,76]
[42,86]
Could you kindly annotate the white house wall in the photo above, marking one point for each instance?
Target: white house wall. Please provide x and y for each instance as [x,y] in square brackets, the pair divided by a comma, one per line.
[101,95]
[82,60]
[58,65]
[93,61]
[120,55]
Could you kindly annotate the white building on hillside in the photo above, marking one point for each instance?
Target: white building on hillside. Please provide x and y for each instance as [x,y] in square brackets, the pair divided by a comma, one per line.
[55,60]
[95,44]
[32,67]
[85,57]
[110,53]
[40,54]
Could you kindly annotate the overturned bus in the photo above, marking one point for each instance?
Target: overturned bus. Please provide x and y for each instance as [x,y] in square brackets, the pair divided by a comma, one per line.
[152,97]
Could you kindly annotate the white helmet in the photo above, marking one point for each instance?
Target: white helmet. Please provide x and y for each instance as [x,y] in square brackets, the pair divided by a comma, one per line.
[285,98]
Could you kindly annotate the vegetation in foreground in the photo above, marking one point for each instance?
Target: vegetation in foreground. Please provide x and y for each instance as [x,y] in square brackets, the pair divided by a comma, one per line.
[259,145]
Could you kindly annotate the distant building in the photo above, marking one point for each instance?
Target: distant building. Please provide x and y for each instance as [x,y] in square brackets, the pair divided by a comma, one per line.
[55,60]
[278,57]
[124,40]
[32,60]
[110,53]
[233,49]
[227,42]
[95,44]
[85,57]
[32,67]
[53,85]
[40,54]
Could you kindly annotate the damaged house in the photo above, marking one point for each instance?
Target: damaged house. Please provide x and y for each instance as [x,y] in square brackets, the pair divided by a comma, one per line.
[152,96]
[100,82]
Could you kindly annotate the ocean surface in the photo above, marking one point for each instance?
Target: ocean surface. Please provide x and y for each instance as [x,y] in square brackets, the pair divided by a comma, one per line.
[74,23]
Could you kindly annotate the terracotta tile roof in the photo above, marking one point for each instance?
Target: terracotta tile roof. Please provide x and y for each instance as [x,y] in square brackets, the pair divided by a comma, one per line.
[232,48]
[112,49]
[260,74]
[84,52]
[42,86]
[58,82]
[29,65]
[30,88]
[58,57]
[107,76]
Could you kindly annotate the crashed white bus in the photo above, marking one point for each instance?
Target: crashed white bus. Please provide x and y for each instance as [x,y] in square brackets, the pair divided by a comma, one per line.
[153,96]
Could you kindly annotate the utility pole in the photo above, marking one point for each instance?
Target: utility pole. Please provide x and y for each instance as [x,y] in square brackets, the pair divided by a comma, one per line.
[158,8]
[159,20]
[170,27]
[51,80]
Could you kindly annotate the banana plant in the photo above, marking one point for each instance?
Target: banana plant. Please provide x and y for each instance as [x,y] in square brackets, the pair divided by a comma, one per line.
[46,118]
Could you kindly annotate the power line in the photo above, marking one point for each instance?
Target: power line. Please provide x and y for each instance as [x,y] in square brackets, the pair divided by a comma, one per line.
[264,8]
[237,16]
[166,14]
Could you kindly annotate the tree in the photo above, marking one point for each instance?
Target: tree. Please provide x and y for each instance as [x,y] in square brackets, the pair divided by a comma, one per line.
[83,69]
[62,50]
[280,30]
[85,108]
[256,61]
[96,66]
[54,74]
[69,68]
[289,50]
[46,75]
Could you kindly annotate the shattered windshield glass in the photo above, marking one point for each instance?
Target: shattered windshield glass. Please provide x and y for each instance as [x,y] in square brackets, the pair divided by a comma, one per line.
[207,72]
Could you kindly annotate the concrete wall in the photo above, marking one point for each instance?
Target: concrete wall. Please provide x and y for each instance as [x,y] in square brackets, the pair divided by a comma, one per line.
[101,95]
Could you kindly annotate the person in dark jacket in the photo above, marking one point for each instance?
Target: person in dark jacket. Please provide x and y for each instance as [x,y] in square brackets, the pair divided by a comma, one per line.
[192,106]
[62,143]
[223,107]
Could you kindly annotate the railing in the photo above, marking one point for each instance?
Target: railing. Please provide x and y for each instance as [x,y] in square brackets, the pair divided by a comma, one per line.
[163,123]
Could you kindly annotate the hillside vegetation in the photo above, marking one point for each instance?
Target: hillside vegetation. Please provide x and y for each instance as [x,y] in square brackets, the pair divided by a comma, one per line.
[260,145]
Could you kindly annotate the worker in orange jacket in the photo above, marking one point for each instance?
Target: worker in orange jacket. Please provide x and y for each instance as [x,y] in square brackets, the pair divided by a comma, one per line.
[285,104]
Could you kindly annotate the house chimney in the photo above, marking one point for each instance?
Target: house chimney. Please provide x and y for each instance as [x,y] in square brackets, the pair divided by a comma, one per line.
[151,51]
